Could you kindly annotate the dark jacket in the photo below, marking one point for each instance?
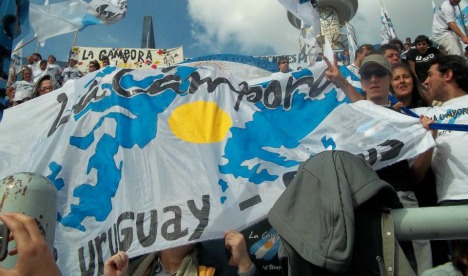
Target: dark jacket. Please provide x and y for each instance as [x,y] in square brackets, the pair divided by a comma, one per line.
[315,216]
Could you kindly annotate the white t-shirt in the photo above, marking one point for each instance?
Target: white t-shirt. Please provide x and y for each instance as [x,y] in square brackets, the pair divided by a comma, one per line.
[23,85]
[353,68]
[54,70]
[442,18]
[450,157]
[40,74]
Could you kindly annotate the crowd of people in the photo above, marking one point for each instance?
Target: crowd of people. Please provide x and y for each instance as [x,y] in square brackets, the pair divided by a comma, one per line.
[43,76]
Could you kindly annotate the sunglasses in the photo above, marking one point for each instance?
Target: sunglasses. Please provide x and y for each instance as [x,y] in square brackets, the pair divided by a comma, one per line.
[377,73]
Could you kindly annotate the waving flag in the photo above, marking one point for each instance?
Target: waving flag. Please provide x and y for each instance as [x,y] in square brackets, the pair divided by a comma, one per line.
[308,43]
[352,46]
[305,10]
[150,159]
[16,56]
[388,32]
[64,17]
[463,15]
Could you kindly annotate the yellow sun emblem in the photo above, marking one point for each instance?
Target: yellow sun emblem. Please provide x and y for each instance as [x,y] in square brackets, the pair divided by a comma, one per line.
[200,122]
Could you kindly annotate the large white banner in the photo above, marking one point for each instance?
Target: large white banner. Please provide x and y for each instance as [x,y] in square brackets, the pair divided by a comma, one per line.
[134,58]
[149,159]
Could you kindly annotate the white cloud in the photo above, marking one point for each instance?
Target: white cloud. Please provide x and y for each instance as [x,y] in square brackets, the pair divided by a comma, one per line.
[261,26]
[410,18]
[254,26]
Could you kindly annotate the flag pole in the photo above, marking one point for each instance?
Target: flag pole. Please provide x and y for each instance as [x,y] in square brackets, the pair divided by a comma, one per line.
[24,44]
[74,39]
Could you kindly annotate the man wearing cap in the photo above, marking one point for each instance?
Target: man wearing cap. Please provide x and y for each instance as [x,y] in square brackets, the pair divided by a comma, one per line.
[375,74]
[446,32]
[376,77]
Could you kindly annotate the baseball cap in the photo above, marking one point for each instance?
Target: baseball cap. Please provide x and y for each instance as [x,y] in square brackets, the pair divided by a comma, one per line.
[377,60]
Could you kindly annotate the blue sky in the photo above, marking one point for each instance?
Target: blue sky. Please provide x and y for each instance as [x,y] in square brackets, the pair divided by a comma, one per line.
[247,27]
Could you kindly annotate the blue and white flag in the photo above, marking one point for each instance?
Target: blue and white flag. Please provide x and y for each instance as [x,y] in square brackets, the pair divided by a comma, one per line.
[16,62]
[463,16]
[308,42]
[151,159]
[388,32]
[305,10]
[72,15]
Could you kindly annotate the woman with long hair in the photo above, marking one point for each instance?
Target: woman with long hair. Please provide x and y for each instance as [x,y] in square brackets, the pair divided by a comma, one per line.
[406,87]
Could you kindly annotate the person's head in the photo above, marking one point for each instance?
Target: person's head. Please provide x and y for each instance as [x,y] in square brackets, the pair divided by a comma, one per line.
[376,74]
[71,63]
[105,61]
[346,52]
[408,40]
[459,256]
[406,46]
[447,77]
[93,66]
[422,43]
[30,59]
[43,65]
[390,52]
[51,59]
[26,74]
[404,86]
[45,85]
[283,64]
[455,2]
[36,57]
[398,43]
[362,52]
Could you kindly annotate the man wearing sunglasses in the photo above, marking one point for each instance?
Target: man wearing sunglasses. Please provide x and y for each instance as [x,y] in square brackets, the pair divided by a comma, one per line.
[376,77]
[283,64]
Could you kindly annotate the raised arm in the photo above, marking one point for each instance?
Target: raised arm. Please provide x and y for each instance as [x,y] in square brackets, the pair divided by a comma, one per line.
[339,81]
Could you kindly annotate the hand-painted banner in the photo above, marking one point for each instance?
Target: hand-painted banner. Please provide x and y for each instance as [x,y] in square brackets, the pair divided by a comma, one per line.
[149,159]
[243,67]
[134,58]
[295,60]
